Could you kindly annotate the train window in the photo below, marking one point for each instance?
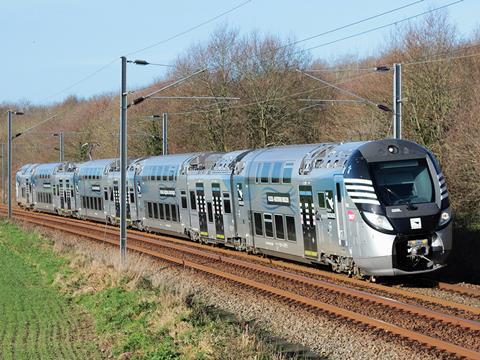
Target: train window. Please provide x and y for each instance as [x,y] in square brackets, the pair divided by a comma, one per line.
[155,210]
[174,212]
[209,211]
[257,176]
[111,194]
[265,172]
[193,203]
[149,210]
[287,174]
[167,212]
[277,168]
[268,225]
[321,200]
[162,212]
[105,194]
[279,229]
[226,206]
[292,236]
[132,197]
[258,224]
[184,202]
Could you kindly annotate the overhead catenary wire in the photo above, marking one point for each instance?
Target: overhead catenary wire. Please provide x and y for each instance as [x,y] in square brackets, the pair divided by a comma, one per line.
[239,106]
[347,92]
[114,60]
[34,126]
[350,24]
[382,26]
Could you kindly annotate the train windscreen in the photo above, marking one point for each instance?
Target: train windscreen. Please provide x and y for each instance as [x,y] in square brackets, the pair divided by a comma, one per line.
[403,182]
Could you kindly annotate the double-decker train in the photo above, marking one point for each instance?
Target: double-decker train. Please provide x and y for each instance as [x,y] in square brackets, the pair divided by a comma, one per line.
[375,208]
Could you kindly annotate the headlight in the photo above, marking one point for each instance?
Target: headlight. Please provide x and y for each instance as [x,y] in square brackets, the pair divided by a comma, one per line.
[445,217]
[379,221]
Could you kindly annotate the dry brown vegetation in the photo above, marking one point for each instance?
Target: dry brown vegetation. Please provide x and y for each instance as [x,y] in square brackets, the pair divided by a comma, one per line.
[441,96]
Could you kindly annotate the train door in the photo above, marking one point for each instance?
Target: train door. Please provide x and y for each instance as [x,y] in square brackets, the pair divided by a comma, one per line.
[307,216]
[218,211]
[341,211]
[62,194]
[116,198]
[202,213]
[68,193]
[28,190]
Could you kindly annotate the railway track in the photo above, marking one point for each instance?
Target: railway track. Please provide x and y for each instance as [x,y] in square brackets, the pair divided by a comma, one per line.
[452,334]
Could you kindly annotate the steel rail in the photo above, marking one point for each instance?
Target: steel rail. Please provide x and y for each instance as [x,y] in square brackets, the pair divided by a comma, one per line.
[269,290]
[459,289]
[307,270]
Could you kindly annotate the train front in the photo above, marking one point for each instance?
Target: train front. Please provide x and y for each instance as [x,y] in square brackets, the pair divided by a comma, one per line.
[400,192]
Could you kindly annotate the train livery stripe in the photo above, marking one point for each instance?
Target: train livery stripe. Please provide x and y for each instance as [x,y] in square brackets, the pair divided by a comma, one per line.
[357,181]
[360,187]
[362,194]
[366,201]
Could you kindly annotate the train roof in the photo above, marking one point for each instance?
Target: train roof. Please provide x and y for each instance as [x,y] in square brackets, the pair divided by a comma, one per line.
[47,168]
[100,163]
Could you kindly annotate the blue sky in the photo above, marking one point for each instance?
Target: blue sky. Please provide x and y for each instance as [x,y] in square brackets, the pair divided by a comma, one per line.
[49,45]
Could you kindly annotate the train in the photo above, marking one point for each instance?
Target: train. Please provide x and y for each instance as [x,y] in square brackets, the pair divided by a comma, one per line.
[375,208]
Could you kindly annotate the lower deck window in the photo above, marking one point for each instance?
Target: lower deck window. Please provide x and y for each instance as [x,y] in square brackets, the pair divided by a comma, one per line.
[258,224]
[268,225]
[167,212]
[279,229]
[291,228]
[174,212]
[161,211]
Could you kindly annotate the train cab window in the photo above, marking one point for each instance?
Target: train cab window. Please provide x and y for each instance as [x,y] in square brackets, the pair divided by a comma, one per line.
[276,172]
[265,172]
[292,236]
[184,202]
[155,210]
[193,203]
[161,211]
[258,224]
[209,211]
[167,212]
[174,212]
[287,173]
[268,225]
[149,209]
[279,229]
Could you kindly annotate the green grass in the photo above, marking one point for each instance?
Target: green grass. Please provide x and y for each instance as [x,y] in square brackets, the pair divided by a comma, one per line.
[47,296]
[36,319]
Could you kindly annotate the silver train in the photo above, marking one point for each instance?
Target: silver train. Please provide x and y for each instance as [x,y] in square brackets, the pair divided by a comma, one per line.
[376,208]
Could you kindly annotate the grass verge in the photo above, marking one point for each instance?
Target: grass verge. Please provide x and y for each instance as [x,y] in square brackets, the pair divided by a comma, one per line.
[36,319]
[136,313]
